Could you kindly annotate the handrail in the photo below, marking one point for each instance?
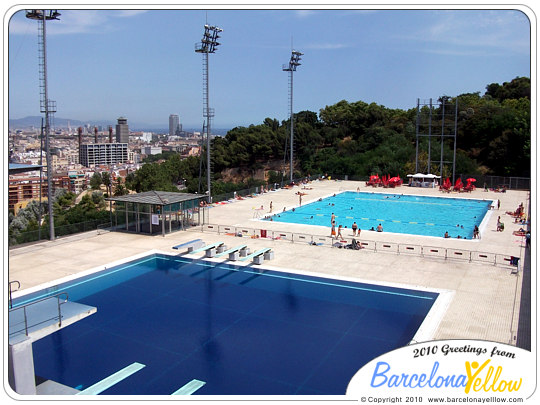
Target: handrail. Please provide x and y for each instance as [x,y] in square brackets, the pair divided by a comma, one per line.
[103,228]
[11,291]
[445,253]
[23,307]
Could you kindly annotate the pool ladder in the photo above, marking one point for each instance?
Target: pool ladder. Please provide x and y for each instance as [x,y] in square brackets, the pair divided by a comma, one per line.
[11,291]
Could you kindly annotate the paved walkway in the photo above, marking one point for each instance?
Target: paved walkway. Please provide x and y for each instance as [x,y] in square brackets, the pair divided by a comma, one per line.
[486,301]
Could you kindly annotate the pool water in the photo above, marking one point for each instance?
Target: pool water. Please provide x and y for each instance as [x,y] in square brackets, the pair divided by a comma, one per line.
[241,330]
[398,213]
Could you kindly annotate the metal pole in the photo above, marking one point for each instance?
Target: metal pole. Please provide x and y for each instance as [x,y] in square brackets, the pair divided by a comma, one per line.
[292,127]
[110,183]
[40,180]
[208,126]
[429,137]
[442,139]
[47,129]
[417,129]
[455,141]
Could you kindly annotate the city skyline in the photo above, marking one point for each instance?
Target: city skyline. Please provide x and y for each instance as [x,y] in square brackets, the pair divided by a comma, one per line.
[142,64]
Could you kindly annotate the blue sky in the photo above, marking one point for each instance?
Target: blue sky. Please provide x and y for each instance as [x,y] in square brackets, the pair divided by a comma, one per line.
[141,64]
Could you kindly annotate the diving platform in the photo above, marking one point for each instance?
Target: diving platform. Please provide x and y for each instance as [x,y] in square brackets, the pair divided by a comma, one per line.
[30,322]
[41,318]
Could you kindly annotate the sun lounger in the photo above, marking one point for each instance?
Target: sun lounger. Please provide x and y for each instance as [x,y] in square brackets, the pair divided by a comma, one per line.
[259,255]
[191,245]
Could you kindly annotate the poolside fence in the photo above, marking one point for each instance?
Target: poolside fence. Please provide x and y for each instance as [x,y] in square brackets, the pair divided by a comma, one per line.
[62,230]
[433,252]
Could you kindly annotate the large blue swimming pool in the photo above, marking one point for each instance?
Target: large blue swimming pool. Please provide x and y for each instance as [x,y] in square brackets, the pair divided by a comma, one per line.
[398,213]
[241,330]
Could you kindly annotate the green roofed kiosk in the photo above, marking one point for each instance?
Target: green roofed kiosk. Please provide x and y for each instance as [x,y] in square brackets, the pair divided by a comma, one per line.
[158,212]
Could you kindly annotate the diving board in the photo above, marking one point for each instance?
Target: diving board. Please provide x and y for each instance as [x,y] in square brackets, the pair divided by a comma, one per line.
[113,379]
[259,255]
[192,244]
[189,388]
[210,250]
[231,250]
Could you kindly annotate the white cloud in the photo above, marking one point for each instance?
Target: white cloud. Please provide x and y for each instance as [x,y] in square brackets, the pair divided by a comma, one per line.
[304,13]
[478,31]
[130,13]
[77,21]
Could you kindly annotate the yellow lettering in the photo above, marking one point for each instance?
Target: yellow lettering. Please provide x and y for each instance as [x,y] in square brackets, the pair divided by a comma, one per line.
[491,380]
[470,375]
[515,387]
[477,384]
[488,376]
[497,374]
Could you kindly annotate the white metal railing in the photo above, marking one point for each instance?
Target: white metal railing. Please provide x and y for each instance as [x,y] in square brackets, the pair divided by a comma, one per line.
[24,325]
[375,246]
[11,291]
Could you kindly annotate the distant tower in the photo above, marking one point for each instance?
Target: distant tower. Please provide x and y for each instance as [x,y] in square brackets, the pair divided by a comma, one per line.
[110,134]
[174,125]
[122,131]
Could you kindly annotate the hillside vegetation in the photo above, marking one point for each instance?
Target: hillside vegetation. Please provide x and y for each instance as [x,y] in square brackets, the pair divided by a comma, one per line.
[359,139]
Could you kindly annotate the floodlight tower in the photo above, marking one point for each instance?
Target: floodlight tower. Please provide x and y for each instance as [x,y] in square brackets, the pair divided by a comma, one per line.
[208,45]
[46,106]
[291,67]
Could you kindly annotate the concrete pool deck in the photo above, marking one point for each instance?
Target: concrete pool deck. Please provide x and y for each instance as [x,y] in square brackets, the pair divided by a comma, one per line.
[487,298]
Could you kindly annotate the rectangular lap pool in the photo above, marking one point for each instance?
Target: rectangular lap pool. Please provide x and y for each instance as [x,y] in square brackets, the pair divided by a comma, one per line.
[235,329]
[398,213]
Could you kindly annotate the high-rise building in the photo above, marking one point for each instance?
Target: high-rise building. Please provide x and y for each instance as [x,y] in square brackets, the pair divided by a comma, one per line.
[103,153]
[122,131]
[174,125]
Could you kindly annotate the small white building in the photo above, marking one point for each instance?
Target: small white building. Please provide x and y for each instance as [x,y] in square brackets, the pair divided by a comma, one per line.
[423,180]
[151,150]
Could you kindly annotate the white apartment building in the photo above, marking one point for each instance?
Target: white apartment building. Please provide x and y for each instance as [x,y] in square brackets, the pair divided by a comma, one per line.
[92,154]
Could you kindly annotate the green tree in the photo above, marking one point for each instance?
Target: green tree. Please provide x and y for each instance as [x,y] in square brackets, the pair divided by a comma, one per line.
[107,181]
[96,181]
[120,189]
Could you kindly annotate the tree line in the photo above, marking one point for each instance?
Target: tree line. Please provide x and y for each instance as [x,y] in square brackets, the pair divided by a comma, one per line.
[358,139]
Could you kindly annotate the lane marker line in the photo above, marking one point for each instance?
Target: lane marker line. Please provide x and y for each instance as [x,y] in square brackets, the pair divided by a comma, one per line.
[108,382]
[189,388]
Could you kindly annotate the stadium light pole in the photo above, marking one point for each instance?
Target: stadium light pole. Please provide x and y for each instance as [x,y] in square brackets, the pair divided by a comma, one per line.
[291,67]
[47,107]
[207,46]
